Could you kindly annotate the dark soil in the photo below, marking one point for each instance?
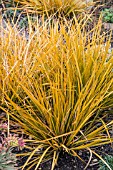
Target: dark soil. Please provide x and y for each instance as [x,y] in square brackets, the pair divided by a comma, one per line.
[68,162]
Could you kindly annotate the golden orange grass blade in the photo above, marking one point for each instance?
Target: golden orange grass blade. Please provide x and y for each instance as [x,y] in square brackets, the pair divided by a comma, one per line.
[37,149]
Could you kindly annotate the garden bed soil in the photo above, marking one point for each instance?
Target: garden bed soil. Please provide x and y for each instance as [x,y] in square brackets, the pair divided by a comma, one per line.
[68,162]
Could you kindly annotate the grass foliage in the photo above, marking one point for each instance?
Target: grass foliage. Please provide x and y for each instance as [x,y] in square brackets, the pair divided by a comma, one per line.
[52,6]
[56,85]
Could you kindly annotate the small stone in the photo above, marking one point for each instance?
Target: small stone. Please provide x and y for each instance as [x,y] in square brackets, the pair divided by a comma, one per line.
[80,153]
[75,166]
[94,160]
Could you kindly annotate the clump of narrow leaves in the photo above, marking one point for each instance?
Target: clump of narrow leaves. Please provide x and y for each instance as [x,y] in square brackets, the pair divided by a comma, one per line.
[55,6]
[56,85]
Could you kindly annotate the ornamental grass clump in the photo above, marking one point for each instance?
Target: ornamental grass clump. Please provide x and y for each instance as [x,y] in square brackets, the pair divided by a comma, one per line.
[60,83]
[61,7]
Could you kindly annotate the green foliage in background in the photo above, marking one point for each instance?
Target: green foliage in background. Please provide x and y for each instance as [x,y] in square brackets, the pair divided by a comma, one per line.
[109,161]
[108,15]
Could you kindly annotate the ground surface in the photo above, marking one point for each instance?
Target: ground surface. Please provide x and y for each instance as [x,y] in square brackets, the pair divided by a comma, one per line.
[68,162]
